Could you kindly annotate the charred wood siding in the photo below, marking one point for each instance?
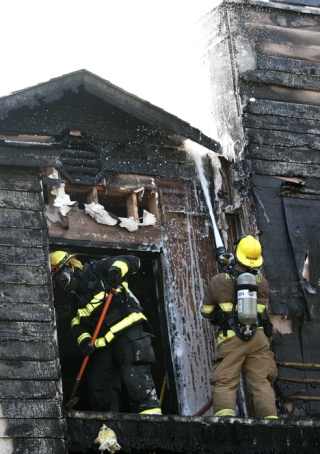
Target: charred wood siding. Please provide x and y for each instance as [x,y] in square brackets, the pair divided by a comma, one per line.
[183,238]
[29,370]
[103,133]
[281,119]
[110,140]
[183,435]
[186,240]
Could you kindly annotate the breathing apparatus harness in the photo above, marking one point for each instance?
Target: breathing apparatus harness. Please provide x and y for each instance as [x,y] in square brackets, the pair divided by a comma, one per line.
[243,319]
[126,304]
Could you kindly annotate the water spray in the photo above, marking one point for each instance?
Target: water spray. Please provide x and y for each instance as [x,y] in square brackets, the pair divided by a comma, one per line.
[225,260]
[197,152]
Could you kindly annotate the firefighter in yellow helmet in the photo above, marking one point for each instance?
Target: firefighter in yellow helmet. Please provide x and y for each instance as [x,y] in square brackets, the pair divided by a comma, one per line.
[123,353]
[235,302]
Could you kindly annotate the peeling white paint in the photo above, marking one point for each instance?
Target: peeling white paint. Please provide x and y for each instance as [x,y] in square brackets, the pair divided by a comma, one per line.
[100,215]
[306,269]
[280,324]
[139,190]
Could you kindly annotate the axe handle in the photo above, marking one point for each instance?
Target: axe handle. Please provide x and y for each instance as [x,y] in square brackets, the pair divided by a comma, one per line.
[93,339]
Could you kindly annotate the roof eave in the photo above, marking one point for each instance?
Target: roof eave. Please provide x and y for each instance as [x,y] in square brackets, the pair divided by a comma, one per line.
[53,90]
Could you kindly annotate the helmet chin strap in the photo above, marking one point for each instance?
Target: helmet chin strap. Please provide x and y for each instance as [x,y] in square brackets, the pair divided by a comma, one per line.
[56,271]
[248,269]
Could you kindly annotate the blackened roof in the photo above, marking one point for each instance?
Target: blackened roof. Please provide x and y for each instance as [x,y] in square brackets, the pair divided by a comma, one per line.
[54,89]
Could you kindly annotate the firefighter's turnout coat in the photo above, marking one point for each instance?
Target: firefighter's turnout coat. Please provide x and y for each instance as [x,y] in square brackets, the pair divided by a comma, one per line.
[253,357]
[123,348]
[124,309]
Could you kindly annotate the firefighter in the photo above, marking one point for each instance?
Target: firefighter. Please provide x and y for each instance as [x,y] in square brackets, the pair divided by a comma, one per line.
[242,343]
[122,353]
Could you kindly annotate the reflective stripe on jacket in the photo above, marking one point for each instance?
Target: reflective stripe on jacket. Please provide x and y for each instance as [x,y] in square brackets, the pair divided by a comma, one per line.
[120,326]
[124,309]
[97,301]
[220,293]
[88,310]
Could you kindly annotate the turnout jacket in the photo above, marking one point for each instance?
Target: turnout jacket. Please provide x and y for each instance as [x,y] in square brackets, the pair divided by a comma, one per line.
[88,302]
[220,293]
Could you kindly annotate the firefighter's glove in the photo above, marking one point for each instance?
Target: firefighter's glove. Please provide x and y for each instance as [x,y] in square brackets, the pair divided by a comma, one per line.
[114,279]
[86,348]
[226,260]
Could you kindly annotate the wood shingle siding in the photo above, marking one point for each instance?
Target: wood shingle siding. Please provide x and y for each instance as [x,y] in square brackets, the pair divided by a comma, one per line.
[280,95]
[29,369]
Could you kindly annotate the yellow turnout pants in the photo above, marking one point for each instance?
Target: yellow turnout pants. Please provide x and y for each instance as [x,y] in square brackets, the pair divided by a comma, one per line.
[256,360]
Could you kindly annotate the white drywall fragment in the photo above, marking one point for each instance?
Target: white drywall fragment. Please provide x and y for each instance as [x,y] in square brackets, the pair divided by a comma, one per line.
[62,200]
[129,224]
[99,213]
[148,218]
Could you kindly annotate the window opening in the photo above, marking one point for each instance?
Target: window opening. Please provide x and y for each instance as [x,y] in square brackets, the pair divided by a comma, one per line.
[146,286]
[119,203]
[233,222]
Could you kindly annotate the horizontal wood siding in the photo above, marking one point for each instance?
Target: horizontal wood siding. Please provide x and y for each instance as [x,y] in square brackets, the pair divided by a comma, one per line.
[30,395]
[28,156]
[27,351]
[280,95]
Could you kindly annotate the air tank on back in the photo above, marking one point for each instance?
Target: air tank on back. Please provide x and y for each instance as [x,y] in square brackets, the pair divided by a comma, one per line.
[247,298]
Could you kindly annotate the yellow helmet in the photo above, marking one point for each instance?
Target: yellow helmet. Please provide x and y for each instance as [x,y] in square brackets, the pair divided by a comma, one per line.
[249,252]
[58,260]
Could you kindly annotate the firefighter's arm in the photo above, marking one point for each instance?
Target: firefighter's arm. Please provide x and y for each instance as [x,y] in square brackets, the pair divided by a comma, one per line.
[122,268]
[263,294]
[208,304]
[80,333]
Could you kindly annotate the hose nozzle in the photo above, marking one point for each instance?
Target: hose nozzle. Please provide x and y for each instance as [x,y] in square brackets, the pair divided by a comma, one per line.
[225,259]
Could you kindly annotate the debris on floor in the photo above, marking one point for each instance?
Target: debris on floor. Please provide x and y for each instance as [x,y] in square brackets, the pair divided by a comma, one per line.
[107,439]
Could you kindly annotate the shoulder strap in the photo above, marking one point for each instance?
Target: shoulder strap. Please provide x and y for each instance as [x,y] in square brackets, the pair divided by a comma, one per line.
[95,270]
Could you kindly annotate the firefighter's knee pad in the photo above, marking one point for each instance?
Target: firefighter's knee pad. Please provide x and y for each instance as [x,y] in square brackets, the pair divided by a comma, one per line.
[141,349]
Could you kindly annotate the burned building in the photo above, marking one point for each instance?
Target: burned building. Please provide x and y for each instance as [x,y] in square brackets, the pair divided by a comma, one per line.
[276,54]
[88,167]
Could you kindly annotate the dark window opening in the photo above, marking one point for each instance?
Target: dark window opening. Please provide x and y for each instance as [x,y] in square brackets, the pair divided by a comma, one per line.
[119,203]
[147,287]
[234,230]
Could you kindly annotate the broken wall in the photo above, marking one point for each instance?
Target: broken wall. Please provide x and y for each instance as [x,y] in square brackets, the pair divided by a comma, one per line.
[183,237]
[105,151]
[276,49]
